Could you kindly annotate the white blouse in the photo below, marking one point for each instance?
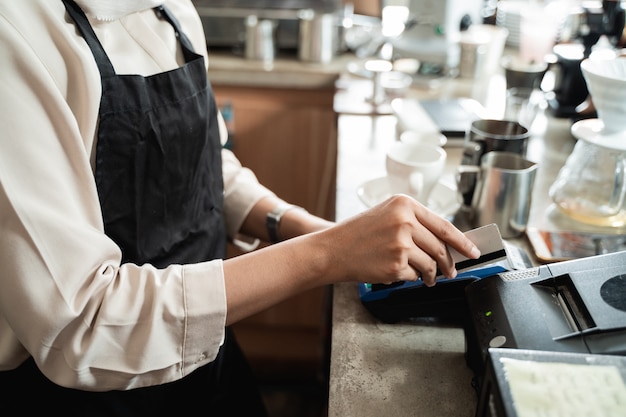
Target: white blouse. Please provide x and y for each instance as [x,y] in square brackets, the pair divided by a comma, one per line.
[89,321]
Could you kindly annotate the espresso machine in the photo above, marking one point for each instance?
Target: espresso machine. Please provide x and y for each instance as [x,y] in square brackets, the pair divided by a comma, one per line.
[583,27]
[433,37]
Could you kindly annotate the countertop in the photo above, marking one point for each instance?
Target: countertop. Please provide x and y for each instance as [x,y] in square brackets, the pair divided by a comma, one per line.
[416,368]
[285,71]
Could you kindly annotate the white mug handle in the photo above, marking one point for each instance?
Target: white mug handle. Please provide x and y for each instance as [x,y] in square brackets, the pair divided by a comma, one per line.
[416,186]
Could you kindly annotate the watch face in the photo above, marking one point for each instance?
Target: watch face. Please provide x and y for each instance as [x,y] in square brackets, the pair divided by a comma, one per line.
[273,220]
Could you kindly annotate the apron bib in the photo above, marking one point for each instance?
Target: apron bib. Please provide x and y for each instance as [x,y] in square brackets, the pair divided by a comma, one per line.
[158,162]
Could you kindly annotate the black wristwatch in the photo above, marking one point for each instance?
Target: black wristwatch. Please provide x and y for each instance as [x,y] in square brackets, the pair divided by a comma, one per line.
[272,220]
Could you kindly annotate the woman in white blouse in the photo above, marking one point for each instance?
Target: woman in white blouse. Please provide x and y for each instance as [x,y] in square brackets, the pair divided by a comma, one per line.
[116,200]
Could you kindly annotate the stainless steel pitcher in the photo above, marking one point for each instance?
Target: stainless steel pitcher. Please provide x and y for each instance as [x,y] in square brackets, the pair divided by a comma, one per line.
[503,192]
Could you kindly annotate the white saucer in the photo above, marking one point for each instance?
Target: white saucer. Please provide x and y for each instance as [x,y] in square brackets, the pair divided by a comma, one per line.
[443,199]
[592,131]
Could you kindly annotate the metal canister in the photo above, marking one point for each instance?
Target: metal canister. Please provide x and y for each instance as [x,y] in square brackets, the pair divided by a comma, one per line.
[319,36]
[260,44]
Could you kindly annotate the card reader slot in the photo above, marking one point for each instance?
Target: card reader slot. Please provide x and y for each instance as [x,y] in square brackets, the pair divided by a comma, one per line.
[573,306]
[563,308]
[568,316]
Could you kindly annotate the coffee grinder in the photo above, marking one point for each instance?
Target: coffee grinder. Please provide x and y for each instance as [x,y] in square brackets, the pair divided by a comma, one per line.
[582,29]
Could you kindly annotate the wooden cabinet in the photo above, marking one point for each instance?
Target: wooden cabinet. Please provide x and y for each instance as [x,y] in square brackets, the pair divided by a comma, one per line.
[368,7]
[288,137]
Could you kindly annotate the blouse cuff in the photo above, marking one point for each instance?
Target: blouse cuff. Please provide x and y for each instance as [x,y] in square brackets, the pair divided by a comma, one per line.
[205,304]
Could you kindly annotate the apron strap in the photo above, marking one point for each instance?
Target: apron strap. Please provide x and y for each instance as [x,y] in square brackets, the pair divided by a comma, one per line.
[188,51]
[102,60]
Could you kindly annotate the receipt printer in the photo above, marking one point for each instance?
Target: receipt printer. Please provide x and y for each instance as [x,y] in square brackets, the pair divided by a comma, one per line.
[571,306]
[520,382]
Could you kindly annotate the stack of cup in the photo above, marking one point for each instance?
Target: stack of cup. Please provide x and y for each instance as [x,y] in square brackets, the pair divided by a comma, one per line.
[539,29]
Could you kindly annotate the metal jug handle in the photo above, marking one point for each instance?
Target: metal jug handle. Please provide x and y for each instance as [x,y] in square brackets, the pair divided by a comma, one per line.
[472,152]
[467,176]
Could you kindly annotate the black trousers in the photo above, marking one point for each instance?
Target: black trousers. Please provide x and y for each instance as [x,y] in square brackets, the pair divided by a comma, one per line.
[225,387]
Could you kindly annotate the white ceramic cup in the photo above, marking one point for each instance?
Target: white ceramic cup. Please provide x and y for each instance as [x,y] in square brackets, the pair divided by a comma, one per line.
[414,169]
[414,137]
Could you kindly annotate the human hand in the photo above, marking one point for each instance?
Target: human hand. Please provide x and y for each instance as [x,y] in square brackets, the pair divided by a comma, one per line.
[397,240]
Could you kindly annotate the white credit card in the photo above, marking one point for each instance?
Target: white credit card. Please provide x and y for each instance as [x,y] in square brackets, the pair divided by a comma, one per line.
[489,242]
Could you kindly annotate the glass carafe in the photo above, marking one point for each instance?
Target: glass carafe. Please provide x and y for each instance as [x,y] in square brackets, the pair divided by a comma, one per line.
[591,186]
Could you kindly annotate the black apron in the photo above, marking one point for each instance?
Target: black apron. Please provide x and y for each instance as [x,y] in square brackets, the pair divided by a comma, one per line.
[159,178]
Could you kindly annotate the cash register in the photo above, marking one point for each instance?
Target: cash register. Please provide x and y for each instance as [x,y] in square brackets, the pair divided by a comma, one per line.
[576,306]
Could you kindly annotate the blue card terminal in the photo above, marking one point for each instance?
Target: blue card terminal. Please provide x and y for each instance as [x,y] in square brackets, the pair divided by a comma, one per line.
[412,299]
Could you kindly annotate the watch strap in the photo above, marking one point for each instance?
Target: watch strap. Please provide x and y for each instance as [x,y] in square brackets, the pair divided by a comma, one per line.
[273,220]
